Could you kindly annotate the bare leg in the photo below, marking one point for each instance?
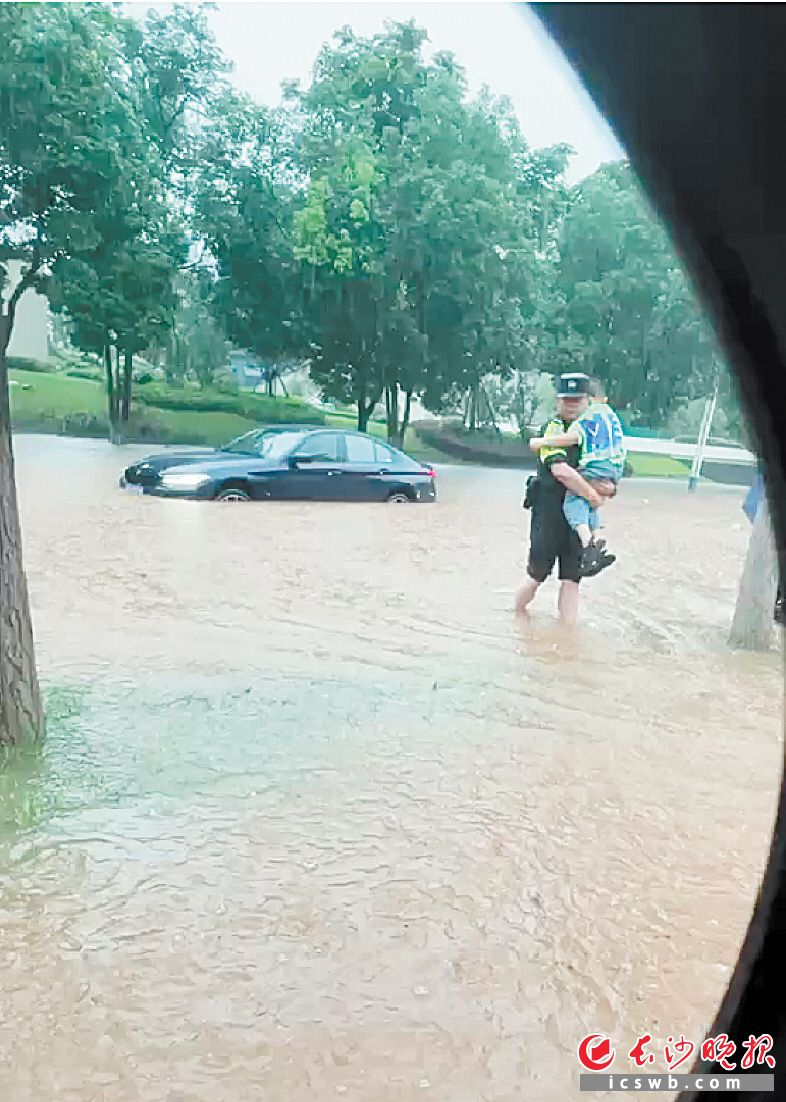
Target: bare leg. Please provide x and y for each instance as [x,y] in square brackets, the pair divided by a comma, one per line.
[584,532]
[526,595]
[568,602]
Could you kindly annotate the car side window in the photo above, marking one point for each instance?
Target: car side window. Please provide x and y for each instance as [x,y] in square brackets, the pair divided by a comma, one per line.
[361,450]
[384,455]
[322,445]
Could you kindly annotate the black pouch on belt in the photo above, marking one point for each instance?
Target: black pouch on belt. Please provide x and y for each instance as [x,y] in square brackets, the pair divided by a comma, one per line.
[531,491]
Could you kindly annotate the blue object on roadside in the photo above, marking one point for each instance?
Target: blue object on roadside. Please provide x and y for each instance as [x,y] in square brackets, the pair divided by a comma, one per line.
[754,497]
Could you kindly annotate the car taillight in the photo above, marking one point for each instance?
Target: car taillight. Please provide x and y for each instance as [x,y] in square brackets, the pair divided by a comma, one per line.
[430,472]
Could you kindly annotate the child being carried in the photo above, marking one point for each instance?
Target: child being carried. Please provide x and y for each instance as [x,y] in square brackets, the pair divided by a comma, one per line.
[598,433]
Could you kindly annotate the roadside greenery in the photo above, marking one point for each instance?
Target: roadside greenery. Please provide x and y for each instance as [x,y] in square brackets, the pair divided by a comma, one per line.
[71,403]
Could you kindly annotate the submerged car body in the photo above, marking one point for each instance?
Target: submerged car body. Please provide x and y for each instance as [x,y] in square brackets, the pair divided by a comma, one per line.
[288,462]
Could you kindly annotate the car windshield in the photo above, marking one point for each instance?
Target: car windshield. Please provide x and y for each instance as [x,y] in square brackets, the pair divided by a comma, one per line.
[267,445]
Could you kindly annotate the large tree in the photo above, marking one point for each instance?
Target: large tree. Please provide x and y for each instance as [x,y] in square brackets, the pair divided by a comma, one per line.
[121,300]
[120,292]
[624,304]
[63,119]
[245,186]
[422,227]
[180,70]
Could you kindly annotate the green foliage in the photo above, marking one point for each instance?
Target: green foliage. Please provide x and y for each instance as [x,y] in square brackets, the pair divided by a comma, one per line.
[656,466]
[196,349]
[63,404]
[84,373]
[482,446]
[49,396]
[180,68]
[524,398]
[623,304]
[422,226]
[383,225]
[114,279]
[256,407]
[64,122]
[245,191]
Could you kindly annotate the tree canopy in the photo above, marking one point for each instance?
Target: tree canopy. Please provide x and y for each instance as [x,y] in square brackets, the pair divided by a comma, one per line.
[383,227]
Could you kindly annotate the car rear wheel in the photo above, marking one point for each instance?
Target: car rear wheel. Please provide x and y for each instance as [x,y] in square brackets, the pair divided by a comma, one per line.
[399,498]
[232,493]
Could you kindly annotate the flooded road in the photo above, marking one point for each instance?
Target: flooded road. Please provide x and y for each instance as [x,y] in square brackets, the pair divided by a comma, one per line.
[317,819]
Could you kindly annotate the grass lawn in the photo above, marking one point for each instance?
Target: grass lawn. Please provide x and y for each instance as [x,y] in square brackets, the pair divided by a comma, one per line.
[48,398]
[657,466]
[210,427]
[54,395]
[348,421]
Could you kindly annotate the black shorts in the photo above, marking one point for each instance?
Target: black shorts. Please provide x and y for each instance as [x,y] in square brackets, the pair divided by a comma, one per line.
[551,539]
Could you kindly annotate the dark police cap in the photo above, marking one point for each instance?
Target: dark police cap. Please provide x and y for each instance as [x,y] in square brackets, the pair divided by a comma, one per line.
[574,384]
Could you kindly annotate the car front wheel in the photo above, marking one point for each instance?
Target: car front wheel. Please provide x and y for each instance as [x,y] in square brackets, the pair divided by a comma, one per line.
[232,493]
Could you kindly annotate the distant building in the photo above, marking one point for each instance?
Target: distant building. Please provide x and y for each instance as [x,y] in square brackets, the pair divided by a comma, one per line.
[30,335]
[246,369]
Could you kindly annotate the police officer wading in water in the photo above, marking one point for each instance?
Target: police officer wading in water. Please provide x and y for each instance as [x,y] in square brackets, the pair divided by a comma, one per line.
[552,540]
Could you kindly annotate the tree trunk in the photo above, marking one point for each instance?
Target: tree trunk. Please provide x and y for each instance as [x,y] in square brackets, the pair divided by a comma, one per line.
[391,408]
[110,382]
[401,432]
[365,410]
[361,402]
[169,355]
[473,408]
[492,413]
[21,711]
[128,376]
[109,379]
[112,396]
[116,424]
[465,411]
[752,626]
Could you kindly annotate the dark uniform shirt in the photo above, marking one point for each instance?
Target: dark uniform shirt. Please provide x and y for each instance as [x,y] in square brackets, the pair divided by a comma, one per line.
[551,537]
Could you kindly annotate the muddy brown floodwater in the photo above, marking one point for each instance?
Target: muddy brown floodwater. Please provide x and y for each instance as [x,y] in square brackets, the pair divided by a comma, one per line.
[318,819]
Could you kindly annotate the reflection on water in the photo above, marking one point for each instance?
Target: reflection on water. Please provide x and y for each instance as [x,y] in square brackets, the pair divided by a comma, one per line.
[318,818]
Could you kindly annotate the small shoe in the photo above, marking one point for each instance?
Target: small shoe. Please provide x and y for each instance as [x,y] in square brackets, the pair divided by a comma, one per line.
[594,558]
[601,564]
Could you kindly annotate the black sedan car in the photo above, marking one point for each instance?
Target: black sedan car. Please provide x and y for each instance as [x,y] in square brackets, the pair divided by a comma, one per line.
[287,463]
